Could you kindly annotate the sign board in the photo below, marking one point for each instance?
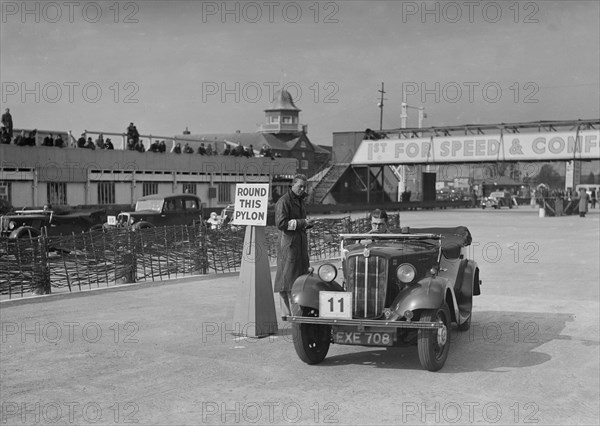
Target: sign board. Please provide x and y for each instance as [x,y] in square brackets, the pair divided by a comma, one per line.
[546,146]
[251,202]
[335,304]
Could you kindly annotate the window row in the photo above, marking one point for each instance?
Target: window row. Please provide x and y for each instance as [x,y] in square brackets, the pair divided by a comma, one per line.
[56,192]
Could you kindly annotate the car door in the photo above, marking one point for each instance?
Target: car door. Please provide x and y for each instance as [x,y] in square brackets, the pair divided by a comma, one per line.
[191,211]
[173,210]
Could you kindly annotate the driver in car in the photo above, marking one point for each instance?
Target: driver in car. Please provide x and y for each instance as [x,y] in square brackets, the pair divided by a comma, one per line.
[379,222]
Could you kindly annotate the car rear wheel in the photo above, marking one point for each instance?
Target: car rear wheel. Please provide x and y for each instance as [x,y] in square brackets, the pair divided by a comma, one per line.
[434,344]
[311,341]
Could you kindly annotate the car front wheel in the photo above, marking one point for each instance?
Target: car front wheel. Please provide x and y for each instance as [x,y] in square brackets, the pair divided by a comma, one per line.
[311,341]
[434,344]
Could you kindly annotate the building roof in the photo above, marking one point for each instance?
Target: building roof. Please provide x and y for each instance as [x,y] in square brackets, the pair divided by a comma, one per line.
[283,101]
[281,142]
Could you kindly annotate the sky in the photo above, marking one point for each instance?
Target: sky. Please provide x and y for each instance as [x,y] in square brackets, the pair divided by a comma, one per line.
[214,66]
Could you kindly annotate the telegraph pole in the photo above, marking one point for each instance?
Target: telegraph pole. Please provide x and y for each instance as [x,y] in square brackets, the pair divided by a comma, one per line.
[380,105]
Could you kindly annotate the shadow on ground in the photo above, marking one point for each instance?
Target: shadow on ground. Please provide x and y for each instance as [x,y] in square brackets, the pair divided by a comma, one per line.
[497,341]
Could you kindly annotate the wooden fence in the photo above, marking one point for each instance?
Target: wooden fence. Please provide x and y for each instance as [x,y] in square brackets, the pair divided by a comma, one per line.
[116,256]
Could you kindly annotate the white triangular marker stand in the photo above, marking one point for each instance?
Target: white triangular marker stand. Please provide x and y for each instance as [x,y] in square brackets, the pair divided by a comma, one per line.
[254,314]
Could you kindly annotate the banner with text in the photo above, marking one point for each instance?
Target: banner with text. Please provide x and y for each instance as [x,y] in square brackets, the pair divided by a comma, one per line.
[548,146]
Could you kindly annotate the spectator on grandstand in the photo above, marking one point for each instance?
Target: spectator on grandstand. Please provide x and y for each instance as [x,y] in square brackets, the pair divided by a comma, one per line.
[20,140]
[100,142]
[48,140]
[108,144]
[4,136]
[373,135]
[30,140]
[249,152]
[209,150]
[139,146]
[227,150]
[90,144]
[201,149]
[238,151]
[7,122]
[154,147]
[132,133]
[59,142]
[81,141]
[265,151]
[188,149]
[162,146]
[176,149]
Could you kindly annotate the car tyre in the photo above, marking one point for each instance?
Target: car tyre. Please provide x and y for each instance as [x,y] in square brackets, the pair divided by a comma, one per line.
[142,225]
[311,341]
[434,345]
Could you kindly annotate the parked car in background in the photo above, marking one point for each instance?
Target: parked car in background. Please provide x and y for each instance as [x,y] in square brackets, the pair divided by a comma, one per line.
[498,199]
[160,210]
[397,289]
[29,223]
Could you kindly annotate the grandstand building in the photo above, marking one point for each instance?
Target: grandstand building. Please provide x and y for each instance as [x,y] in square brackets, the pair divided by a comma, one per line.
[36,175]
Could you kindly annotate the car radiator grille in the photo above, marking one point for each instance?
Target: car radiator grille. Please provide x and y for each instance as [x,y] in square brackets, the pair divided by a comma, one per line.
[367,278]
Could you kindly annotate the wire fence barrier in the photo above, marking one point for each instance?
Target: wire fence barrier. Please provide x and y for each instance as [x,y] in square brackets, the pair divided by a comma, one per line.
[116,256]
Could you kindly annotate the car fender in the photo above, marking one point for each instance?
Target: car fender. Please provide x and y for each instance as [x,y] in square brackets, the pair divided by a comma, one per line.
[24,232]
[305,291]
[429,293]
[471,278]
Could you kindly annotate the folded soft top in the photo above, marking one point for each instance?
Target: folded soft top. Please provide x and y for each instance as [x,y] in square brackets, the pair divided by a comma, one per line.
[459,235]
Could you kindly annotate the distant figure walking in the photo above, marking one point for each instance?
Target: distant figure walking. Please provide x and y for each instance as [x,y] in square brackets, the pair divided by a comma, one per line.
[583,202]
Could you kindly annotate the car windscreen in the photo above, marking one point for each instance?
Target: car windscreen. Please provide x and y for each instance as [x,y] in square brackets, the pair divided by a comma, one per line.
[154,205]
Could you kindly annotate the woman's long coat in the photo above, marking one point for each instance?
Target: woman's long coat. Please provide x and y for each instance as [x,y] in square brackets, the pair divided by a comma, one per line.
[583,202]
[292,243]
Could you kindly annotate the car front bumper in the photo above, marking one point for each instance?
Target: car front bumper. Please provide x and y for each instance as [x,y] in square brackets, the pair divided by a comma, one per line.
[362,324]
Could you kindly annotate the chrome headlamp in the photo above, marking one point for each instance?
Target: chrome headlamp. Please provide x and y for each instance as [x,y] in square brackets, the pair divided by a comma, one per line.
[327,272]
[406,273]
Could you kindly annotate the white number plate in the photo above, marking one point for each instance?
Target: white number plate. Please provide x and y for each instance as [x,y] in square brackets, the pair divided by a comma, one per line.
[335,304]
[112,220]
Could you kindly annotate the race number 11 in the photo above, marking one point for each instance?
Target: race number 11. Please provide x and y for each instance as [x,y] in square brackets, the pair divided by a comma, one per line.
[335,304]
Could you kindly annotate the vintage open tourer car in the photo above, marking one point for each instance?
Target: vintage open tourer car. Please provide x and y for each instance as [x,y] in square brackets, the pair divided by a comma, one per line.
[397,289]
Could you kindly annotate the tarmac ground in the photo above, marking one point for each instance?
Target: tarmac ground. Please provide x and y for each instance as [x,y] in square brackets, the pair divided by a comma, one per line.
[164,353]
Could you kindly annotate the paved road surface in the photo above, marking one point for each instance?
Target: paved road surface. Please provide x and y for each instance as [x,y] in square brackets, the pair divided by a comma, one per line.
[163,354]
